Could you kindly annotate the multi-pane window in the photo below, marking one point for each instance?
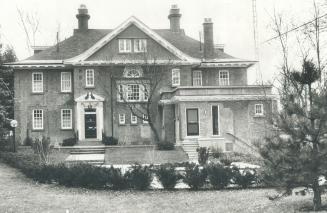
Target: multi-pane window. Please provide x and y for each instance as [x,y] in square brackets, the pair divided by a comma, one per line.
[229,147]
[121,119]
[89,77]
[197,78]
[145,92]
[175,77]
[120,92]
[37,82]
[125,45]
[139,45]
[215,120]
[133,92]
[223,77]
[145,119]
[192,118]
[66,85]
[37,119]
[258,109]
[66,119]
[133,119]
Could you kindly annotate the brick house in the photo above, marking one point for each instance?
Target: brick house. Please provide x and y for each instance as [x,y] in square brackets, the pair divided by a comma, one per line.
[204,98]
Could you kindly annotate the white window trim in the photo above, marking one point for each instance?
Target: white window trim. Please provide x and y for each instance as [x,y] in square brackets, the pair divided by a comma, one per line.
[255,111]
[192,136]
[220,79]
[133,122]
[71,119]
[197,71]
[218,121]
[33,82]
[137,49]
[177,76]
[33,123]
[124,50]
[127,93]
[86,83]
[70,79]
[145,117]
[121,118]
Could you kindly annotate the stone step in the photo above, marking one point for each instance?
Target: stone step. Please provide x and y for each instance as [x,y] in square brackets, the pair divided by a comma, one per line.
[87,152]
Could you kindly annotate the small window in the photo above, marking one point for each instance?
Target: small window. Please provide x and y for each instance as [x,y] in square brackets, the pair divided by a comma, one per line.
[121,119]
[229,147]
[133,92]
[120,94]
[66,119]
[145,119]
[133,119]
[258,109]
[37,82]
[125,45]
[145,93]
[192,122]
[197,78]
[66,85]
[89,77]
[215,120]
[37,119]
[139,45]
[175,77]
[223,77]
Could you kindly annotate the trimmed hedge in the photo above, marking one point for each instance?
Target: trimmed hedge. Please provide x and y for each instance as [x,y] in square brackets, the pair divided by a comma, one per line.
[219,176]
[165,145]
[194,177]
[168,176]
[140,177]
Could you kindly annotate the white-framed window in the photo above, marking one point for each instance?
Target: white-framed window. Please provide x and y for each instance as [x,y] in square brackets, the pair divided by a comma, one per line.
[121,119]
[66,119]
[133,119]
[175,77]
[145,119]
[120,95]
[133,92]
[37,82]
[37,118]
[258,109]
[145,92]
[66,82]
[215,120]
[223,77]
[125,45]
[229,147]
[197,78]
[89,77]
[139,45]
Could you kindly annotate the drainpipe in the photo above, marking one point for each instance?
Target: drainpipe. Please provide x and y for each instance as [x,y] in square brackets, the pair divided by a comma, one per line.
[111,106]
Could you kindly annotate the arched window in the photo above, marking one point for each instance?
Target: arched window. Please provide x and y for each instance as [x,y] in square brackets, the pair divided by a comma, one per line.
[133,72]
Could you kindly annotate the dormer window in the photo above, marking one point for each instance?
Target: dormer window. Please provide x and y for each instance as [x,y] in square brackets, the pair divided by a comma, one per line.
[139,45]
[125,45]
[89,78]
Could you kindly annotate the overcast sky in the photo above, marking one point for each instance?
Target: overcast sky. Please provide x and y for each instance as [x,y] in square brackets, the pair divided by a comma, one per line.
[232,22]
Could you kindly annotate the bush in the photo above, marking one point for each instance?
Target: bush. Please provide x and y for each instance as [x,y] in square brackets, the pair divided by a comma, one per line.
[6,144]
[69,142]
[243,178]
[42,149]
[218,175]
[217,152]
[203,155]
[28,141]
[109,141]
[194,176]
[228,158]
[167,176]
[117,181]
[140,177]
[165,145]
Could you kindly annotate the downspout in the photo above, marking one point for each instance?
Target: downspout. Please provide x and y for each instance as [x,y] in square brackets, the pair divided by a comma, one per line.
[111,106]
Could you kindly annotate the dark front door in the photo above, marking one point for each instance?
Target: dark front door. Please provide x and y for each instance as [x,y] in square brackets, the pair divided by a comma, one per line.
[90,125]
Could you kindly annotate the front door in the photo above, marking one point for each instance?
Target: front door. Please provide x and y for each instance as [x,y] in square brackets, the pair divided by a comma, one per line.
[90,123]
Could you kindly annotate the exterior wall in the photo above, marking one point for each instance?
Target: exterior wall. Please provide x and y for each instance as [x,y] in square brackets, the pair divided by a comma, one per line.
[237,76]
[51,101]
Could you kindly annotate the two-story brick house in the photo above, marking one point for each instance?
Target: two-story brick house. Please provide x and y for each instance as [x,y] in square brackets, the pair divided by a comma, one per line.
[204,97]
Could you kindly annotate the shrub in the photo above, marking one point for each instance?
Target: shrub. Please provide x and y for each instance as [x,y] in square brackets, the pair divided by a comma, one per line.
[42,149]
[28,141]
[203,155]
[194,176]
[218,175]
[6,144]
[140,177]
[165,145]
[69,142]
[243,178]
[167,176]
[109,140]
[117,180]
[216,152]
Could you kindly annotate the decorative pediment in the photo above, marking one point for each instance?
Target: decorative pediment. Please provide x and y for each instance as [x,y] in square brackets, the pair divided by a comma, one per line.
[89,97]
[133,71]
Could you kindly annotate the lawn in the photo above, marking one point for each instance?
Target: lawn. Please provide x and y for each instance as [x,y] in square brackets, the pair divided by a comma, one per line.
[19,194]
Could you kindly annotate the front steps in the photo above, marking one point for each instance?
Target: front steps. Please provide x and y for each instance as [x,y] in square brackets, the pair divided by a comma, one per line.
[190,146]
[87,154]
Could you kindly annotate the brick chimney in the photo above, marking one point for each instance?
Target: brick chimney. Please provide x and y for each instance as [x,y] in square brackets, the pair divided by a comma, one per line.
[174,18]
[208,49]
[83,17]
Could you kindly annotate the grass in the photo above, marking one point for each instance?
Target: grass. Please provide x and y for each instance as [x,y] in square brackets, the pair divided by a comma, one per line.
[56,156]
[19,194]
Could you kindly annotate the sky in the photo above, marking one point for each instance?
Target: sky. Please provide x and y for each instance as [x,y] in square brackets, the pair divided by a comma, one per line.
[233,23]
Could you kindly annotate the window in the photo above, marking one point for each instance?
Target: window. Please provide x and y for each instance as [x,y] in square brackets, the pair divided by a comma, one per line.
[197,78]
[121,119]
[145,119]
[139,45]
[223,77]
[258,109]
[37,119]
[145,93]
[192,122]
[66,119]
[125,45]
[175,77]
[229,147]
[37,82]
[133,72]
[215,120]
[66,85]
[133,92]
[120,93]
[89,77]
[133,119]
